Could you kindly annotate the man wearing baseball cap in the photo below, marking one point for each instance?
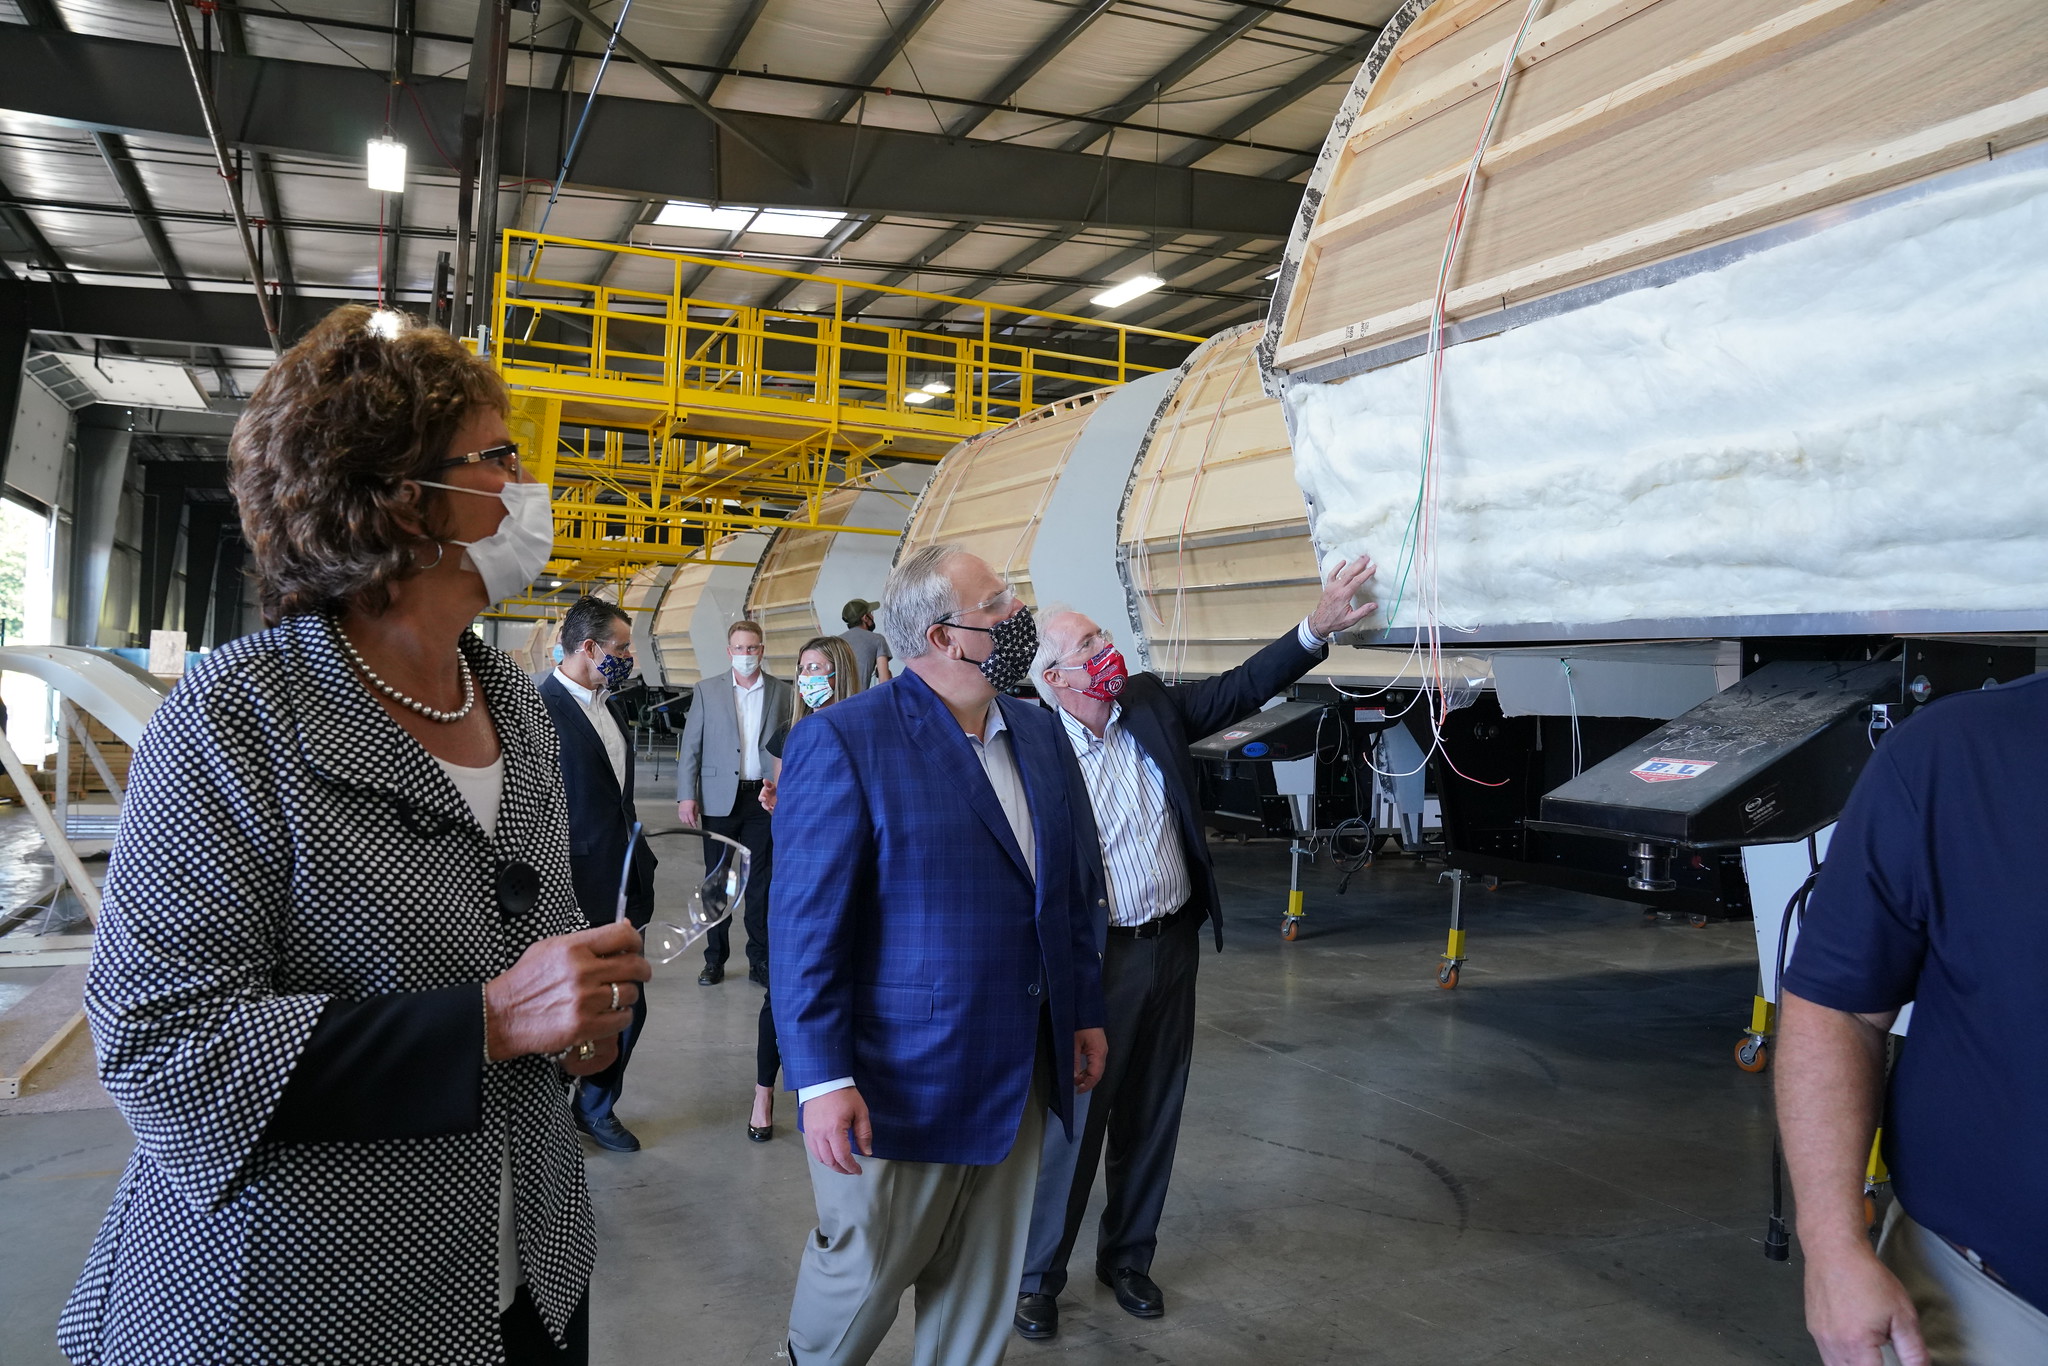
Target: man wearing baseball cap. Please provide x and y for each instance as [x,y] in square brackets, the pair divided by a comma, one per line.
[870,651]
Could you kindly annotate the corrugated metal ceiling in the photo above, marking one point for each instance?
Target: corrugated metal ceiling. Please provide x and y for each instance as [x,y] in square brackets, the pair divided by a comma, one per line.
[795,58]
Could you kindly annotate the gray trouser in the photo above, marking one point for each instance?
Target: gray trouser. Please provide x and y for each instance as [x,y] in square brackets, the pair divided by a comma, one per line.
[954,1232]
[1966,1317]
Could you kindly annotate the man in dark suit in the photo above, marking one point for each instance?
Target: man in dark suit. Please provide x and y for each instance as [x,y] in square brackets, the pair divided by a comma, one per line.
[597,778]
[1130,734]
[935,983]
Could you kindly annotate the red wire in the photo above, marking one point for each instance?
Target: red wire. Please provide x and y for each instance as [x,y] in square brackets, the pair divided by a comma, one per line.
[425,123]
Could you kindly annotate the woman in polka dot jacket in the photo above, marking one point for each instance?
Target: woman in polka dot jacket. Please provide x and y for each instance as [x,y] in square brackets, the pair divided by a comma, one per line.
[341,981]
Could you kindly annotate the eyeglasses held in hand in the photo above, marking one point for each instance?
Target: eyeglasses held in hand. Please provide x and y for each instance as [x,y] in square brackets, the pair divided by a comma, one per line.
[668,936]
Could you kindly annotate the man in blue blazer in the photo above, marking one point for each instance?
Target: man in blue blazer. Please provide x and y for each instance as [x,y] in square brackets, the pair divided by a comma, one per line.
[1130,736]
[597,778]
[936,986]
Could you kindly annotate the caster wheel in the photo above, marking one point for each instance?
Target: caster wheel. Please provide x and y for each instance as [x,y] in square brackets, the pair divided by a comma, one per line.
[1290,928]
[1698,922]
[1752,1054]
[1447,976]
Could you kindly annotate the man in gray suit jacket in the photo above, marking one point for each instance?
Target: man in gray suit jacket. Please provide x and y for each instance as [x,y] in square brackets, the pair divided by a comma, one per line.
[718,783]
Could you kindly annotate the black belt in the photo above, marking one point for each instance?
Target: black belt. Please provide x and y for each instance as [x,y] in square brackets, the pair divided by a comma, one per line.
[1152,929]
[746,783]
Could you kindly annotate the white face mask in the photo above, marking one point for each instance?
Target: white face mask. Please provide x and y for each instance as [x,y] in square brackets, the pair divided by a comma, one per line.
[512,556]
[745,665]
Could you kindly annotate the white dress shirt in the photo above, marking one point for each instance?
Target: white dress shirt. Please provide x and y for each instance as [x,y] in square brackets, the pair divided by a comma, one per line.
[602,721]
[747,702]
[1000,764]
[484,790]
[1141,853]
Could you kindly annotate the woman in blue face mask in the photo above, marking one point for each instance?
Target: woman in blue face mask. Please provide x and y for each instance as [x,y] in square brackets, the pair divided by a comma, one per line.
[826,672]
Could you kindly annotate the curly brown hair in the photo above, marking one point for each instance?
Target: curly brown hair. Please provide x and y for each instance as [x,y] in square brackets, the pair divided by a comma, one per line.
[319,461]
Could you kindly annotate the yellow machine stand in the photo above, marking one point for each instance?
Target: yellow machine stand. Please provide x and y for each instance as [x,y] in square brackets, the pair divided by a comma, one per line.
[1290,927]
[1753,1054]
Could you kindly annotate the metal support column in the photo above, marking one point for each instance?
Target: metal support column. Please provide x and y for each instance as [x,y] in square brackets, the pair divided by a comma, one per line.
[484,272]
[487,55]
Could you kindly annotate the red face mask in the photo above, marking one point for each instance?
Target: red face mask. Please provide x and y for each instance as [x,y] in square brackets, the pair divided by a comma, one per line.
[1106,674]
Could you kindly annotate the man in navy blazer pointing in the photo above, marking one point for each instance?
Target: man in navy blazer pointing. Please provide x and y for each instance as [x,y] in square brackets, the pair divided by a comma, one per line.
[1130,734]
[937,986]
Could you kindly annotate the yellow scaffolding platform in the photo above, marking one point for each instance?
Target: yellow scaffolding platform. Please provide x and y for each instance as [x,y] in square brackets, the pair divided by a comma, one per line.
[666,421]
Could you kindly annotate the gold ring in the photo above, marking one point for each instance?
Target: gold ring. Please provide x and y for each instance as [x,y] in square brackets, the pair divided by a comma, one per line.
[585,1051]
[615,995]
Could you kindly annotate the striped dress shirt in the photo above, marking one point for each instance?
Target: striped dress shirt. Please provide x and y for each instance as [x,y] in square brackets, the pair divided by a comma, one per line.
[1141,853]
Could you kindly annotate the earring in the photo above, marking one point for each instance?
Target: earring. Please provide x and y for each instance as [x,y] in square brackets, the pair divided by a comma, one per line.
[439,551]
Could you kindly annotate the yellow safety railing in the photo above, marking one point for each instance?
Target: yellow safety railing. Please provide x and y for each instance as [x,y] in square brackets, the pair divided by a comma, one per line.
[666,418]
[650,346]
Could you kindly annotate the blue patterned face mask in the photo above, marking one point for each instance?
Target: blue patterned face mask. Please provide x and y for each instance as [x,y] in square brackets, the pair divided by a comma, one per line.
[815,689]
[615,670]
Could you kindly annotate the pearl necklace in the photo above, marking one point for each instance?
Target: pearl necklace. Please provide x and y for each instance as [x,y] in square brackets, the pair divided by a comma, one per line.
[431,713]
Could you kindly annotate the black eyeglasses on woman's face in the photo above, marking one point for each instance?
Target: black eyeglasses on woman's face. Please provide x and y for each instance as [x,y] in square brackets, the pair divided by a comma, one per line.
[506,457]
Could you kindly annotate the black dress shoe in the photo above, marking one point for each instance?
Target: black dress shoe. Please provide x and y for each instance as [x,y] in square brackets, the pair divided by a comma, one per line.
[761,1133]
[713,974]
[758,975]
[1038,1316]
[1135,1292]
[607,1132]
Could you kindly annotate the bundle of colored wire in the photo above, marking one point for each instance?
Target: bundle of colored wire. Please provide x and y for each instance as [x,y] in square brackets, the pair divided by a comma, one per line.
[1418,556]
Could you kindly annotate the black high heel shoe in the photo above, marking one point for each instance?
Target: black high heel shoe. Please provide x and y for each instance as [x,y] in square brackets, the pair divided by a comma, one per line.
[761,1134]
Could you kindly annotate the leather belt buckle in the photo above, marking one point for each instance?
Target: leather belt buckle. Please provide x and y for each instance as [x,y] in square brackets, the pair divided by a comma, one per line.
[1153,928]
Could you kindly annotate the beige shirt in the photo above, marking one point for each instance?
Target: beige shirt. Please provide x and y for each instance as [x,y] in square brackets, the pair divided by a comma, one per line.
[1000,764]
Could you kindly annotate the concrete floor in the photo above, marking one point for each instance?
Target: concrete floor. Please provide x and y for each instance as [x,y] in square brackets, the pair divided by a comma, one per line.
[1557,1162]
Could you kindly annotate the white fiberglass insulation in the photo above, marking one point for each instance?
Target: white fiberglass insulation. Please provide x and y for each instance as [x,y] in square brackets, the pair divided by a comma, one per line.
[1854,421]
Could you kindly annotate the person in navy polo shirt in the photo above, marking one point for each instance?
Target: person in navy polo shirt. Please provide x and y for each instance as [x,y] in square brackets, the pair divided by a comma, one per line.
[1932,894]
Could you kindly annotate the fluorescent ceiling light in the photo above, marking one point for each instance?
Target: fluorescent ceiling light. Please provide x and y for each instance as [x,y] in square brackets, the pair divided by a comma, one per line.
[1274,276]
[681,213]
[1116,296]
[918,396]
[386,165]
[938,386]
[554,583]
[798,222]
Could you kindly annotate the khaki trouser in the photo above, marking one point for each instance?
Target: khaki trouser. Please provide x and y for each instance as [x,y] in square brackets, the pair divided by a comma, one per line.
[955,1232]
[1966,1317]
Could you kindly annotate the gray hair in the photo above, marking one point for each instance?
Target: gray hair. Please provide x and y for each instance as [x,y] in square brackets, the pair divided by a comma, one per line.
[1050,648]
[917,594]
